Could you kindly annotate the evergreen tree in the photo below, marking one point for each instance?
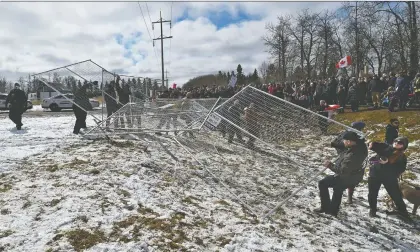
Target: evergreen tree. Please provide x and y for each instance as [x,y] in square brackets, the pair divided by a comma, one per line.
[240,75]
[3,83]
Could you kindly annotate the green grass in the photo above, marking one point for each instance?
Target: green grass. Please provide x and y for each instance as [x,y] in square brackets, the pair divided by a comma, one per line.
[377,119]
[82,239]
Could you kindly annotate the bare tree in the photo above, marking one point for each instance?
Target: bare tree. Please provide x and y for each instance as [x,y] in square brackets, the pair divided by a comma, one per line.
[263,68]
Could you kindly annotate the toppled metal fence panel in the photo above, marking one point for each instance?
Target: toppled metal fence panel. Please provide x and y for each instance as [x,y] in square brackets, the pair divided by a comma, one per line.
[271,136]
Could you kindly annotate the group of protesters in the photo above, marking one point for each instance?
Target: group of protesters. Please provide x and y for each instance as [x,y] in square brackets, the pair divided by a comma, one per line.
[389,90]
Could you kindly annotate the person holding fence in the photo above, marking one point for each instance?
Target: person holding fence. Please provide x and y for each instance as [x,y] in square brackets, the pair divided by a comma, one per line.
[234,115]
[111,102]
[338,145]
[251,123]
[80,107]
[389,163]
[349,171]
[18,102]
[124,98]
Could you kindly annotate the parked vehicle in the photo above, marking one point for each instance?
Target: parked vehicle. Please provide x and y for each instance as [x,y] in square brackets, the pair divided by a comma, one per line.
[3,98]
[59,102]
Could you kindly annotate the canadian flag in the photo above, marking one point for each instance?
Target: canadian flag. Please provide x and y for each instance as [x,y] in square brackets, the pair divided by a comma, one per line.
[344,62]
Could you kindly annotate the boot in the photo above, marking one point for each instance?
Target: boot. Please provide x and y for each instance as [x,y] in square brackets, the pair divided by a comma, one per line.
[320,210]
[349,196]
[372,214]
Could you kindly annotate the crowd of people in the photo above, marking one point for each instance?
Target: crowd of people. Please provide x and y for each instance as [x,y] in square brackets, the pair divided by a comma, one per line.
[391,91]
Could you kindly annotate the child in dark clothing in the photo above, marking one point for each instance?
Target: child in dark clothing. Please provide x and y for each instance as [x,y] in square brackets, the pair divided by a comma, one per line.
[392,131]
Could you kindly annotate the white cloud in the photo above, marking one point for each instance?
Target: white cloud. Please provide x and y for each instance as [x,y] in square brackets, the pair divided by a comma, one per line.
[41,36]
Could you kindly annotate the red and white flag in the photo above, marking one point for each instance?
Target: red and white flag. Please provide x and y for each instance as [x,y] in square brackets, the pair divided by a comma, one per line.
[344,62]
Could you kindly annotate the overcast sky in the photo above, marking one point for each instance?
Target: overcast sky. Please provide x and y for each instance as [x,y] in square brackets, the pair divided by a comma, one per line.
[207,36]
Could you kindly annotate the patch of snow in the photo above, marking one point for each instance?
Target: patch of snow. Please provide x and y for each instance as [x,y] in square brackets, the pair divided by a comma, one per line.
[144,200]
[36,108]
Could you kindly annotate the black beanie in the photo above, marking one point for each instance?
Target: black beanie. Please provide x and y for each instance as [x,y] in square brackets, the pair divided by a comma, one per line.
[350,135]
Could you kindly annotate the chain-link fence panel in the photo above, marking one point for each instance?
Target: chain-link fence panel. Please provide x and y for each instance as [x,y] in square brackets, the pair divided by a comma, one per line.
[158,116]
[272,138]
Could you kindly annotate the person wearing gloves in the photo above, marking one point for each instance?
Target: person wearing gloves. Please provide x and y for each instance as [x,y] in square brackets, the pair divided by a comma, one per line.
[389,163]
[338,145]
[349,171]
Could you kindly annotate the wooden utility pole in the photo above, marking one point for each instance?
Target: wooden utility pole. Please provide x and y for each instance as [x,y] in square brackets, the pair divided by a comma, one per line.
[161,38]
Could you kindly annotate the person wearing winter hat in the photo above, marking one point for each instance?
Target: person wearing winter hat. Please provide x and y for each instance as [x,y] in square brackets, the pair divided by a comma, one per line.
[338,145]
[389,163]
[348,169]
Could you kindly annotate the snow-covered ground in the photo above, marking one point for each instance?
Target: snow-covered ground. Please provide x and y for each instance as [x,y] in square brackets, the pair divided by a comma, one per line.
[59,192]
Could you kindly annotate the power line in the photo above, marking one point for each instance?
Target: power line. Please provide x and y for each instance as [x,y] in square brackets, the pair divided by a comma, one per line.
[145,23]
[148,13]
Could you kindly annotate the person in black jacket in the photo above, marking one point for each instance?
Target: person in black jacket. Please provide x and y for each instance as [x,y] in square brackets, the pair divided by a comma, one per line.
[376,88]
[234,115]
[349,171]
[392,131]
[111,102]
[18,103]
[338,145]
[353,98]
[386,167]
[124,98]
[81,105]
[341,97]
[323,118]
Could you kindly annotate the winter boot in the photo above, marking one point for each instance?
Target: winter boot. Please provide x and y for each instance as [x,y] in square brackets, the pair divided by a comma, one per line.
[350,196]
[372,214]
[320,210]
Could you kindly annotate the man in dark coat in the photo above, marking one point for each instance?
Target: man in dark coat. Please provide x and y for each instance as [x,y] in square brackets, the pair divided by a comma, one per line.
[18,103]
[81,105]
[111,102]
[339,146]
[376,87]
[234,115]
[349,171]
[392,131]
[403,88]
[124,98]
[387,166]
[353,98]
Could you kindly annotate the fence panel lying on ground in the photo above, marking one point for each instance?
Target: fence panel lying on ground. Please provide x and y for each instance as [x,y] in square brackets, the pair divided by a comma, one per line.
[271,136]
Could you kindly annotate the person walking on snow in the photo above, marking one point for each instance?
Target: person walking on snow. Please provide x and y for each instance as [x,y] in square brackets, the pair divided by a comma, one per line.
[80,107]
[339,146]
[349,171]
[18,103]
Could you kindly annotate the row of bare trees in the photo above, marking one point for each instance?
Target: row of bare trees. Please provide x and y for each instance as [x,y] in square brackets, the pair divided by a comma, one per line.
[381,36]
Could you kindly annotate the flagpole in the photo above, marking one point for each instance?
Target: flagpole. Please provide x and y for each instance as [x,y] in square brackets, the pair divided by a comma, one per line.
[357,47]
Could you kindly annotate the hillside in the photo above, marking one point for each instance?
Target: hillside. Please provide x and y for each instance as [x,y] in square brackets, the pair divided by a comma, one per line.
[134,196]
